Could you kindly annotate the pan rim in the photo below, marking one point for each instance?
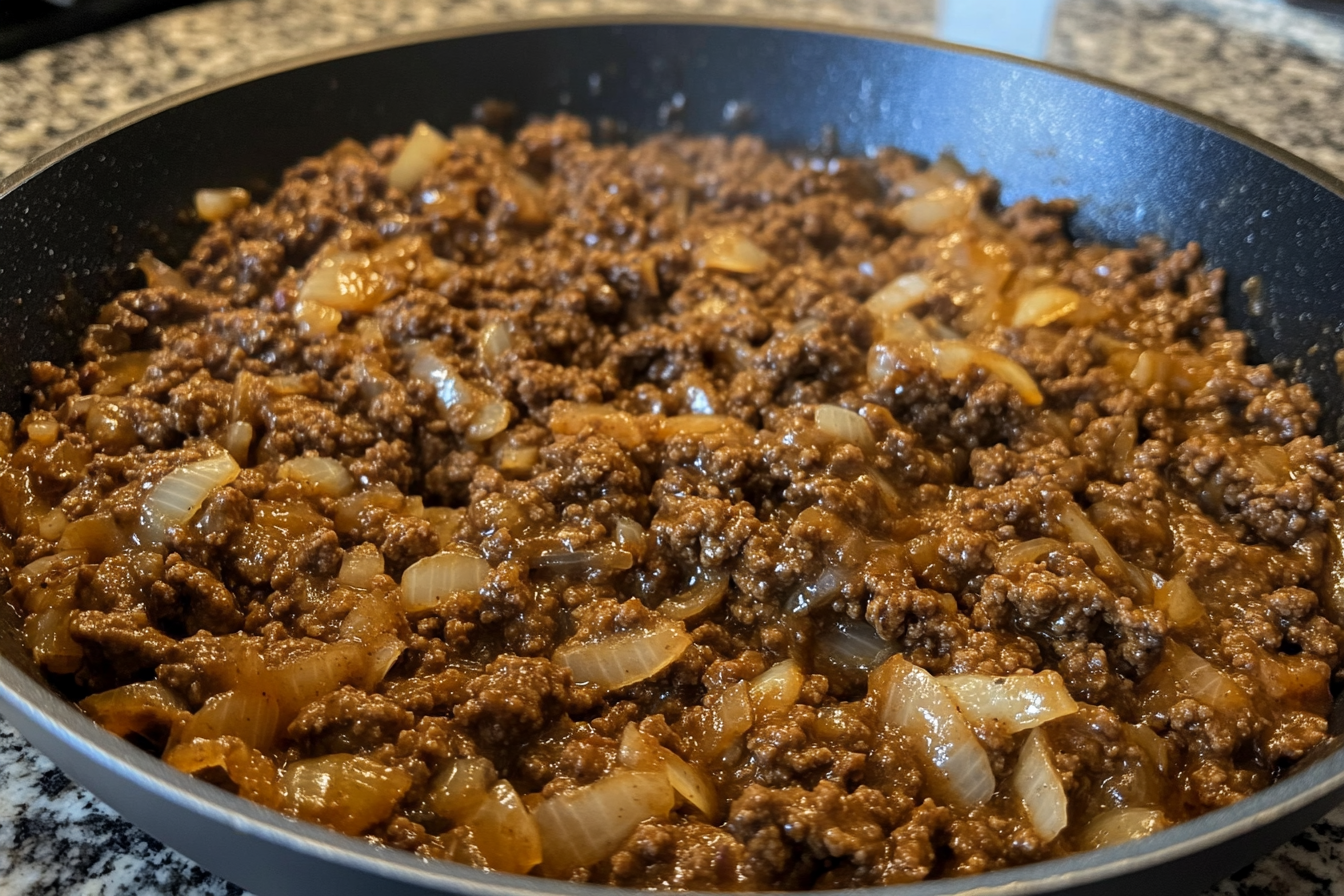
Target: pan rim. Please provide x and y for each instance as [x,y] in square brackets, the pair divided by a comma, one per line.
[42,708]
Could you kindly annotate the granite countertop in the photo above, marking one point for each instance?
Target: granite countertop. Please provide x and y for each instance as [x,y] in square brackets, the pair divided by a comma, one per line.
[1271,68]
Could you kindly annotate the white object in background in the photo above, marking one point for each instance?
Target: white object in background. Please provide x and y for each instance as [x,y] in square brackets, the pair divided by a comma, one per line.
[1020,27]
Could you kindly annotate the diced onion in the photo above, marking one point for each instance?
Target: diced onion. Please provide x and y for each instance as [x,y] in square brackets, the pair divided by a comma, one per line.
[51,525]
[346,281]
[146,708]
[428,581]
[504,832]
[851,644]
[424,149]
[1177,599]
[586,825]
[697,424]
[623,659]
[359,566]
[459,786]
[910,700]
[728,250]
[251,716]
[1018,702]
[1027,552]
[238,441]
[217,204]
[899,296]
[517,460]
[936,208]
[1044,305]
[42,428]
[641,752]
[314,317]
[1117,826]
[1197,677]
[816,593]
[706,592]
[450,387]
[491,420]
[953,356]
[159,274]
[777,688]
[179,495]
[573,419]
[323,476]
[301,681]
[496,341]
[846,425]
[1037,785]
[629,535]
[1080,529]
[345,792]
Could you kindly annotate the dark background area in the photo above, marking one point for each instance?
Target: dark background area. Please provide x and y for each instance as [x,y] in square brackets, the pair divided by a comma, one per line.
[27,24]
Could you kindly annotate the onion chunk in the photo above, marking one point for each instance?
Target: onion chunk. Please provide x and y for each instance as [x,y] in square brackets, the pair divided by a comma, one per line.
[1038,787]
[623,659]
[428,581]
[589,823]
[179,495]
[911,701]
[1018,702]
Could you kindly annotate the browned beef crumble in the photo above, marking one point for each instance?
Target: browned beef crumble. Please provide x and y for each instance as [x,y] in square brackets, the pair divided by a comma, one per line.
[612,374]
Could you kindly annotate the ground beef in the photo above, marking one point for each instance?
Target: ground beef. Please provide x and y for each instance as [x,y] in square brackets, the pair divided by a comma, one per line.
[473,495]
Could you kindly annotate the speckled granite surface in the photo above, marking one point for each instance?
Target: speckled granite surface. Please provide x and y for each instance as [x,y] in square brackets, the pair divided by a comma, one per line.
[1273,69]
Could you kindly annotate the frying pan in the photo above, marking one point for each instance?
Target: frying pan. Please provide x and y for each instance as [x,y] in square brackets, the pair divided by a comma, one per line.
[71,223]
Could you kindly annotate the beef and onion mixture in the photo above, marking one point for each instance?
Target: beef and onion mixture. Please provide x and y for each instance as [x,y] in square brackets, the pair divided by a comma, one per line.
[681,515]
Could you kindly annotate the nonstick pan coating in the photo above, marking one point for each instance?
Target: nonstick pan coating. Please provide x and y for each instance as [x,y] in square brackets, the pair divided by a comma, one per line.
[71,223]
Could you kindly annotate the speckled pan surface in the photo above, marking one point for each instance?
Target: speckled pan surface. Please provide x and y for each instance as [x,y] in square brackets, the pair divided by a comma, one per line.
[1138,168]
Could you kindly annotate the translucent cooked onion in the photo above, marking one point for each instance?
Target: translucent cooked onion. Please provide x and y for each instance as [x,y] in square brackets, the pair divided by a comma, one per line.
[424,149]
[450,387]
[159,274]
[97,533]
[629,535]
[359,566]
[301,681]
[1044,305]
[120,371]
[816,593]
[622,659]
[706,591]
[937,208]
[428,581]
[496,341]
[146,708]
[607,558]
[238,441]
[346,281]
[251,716]
[697,425]
[777,688]
[852,644]
[1117,826]
[179,495]
[459,786]
[1027,552]
[952,357]
[504,832]
[1198,678]
[42,428]
[490,420]
[911,701]
[573,419]
[517,460]
[641,752]
[728,250]
[586,825]
[1080,529]
[846,425]
[1018,702]
[1177,599]
[323,476]
[316,318]
[342,791]
[217,204]
[251,773]
[899,296]
[1038,787]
